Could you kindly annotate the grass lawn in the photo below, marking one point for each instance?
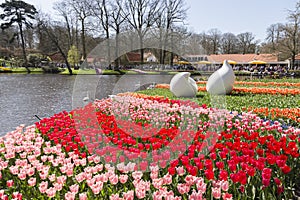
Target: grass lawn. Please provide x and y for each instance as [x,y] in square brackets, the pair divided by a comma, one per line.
[22,70]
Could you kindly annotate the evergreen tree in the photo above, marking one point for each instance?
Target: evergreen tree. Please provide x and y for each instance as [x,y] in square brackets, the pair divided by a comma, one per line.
[20,13]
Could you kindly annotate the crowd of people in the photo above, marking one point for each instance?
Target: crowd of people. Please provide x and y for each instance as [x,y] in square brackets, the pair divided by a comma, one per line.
[265,70]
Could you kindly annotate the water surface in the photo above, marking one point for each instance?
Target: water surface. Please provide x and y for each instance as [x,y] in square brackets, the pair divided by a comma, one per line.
[22,96]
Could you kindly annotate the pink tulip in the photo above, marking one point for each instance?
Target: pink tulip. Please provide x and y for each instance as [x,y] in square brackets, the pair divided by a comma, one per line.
[63,169]
[51,192]
[44,158]
[69,172]
[195,196]
[104,177]
[77,162]
[80,177]
[154,175]
[137,175]
[114,179]
[99,167]
[190,180]
[83,196]
[227,196]
[70,196]
[83,162]
[30,171]
[97,187]
[1,194]
[216,192]
[32,181]
[167,179]
[157,196]
[9,183]
[157,183]
[129,195]
[97,159]
[23,155]
[114,197]
[17,195]
[14,170]
[180,171]
[58,186]
[43,175]
[140,193]
[123,178]
[43,186]
[52,177]
[225,186]
[154,169]
[61,179]
[74,188]
[201,186]
[183,188]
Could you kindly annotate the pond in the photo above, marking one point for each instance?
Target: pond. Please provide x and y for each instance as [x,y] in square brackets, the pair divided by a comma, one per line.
[22,96]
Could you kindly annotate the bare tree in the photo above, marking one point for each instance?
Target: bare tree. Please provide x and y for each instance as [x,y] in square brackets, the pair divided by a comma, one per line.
[56,33]
[181,47]
[194,44]
[171,12]
[210,41]
[82,12]
[246,43]
[118,19]
[66,12]
[101,10]
[228,43]
[215,37]
[44,43]
[291,32]
[142,16]
[274,33]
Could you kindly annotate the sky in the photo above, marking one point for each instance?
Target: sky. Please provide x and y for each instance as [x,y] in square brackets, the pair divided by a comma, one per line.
[234,16]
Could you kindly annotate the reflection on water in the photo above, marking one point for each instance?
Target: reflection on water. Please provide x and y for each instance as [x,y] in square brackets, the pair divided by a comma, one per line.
[22,96]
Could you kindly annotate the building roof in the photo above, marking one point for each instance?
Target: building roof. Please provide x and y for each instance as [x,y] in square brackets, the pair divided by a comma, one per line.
[133,57]
[242,58]
[56,57]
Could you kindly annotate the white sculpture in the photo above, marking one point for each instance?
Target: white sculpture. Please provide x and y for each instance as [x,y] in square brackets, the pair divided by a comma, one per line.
[182,85]
[221,81]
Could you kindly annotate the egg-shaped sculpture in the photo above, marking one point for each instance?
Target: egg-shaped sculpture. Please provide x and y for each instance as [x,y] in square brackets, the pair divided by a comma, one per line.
[182,85]
[221,81]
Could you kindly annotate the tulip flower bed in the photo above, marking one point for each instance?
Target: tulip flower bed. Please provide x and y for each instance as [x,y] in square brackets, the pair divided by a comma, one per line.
[136,146]
[292,114]
[278,100]
[253,90]
[260,84]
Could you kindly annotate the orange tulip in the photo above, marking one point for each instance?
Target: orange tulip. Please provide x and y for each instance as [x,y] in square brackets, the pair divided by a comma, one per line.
[290,113]
[253,90]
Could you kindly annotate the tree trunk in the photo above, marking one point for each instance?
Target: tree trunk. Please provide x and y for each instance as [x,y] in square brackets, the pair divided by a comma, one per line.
[23,49]
[160,47]
[117,60]
[66,61]
[70,42]
[141,48]
[83,39]
[165,44]
[108,48]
